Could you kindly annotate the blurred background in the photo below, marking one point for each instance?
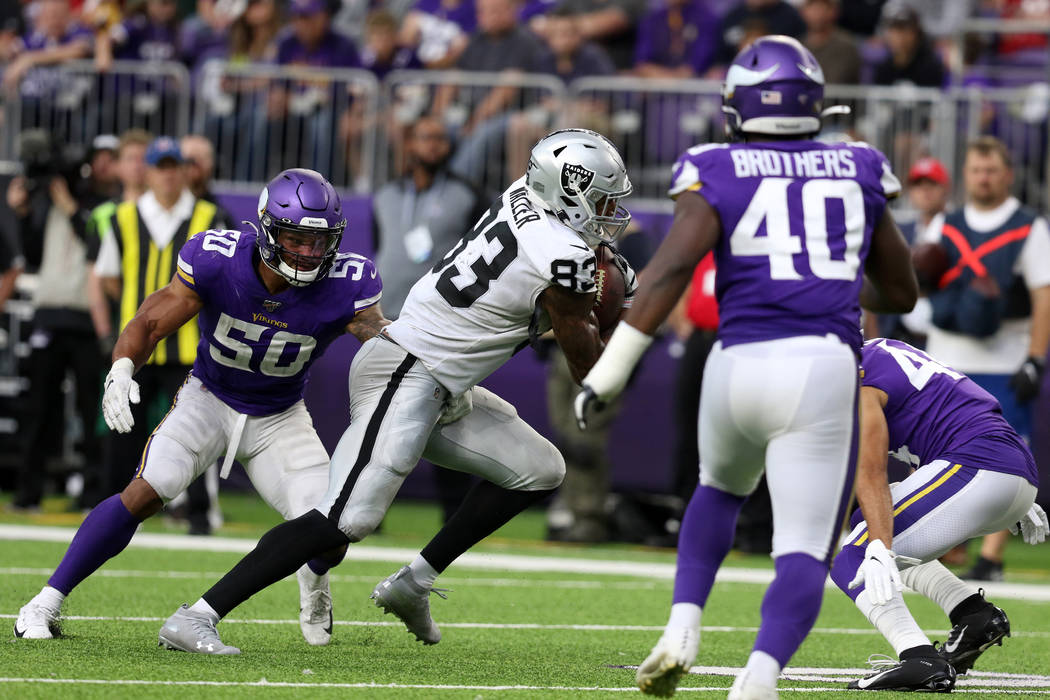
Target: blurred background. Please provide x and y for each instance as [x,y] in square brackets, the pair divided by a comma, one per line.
[395,102]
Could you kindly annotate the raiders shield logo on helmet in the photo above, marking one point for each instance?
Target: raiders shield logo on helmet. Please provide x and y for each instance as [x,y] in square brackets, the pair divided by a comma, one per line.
[575,178]
[272,305]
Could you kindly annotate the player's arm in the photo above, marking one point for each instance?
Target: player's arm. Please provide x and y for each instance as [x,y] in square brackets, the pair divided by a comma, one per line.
[161,314]
[890,285]
[694,232]
[873,490]
[574,326]
[367,323]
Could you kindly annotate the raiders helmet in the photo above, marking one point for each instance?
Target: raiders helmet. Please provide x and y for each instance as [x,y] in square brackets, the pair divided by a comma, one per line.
[580,177]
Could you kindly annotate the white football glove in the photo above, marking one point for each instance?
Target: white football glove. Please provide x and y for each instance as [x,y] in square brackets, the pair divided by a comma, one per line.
[1033,526]
[456,407]
[879,572]
[121,392]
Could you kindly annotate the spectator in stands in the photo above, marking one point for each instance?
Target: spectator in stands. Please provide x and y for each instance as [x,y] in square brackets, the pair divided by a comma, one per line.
[439,30]
[304,116]
[153,228]
[912,59]
[500,45]
[416,220]
[146,36]
[199,158]
[103,182]
[861,17]
[381,53]
[929,189]
[777,16]
[942,19]
[835,50]
[676,39]
[1023,49]
[612,24]
[53,228]
[205,35]
[991,314]
[53,39]
[253,33]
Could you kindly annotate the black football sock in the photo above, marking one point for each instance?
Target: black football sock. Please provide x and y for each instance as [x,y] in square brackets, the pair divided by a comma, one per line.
[280,552]
[485,509]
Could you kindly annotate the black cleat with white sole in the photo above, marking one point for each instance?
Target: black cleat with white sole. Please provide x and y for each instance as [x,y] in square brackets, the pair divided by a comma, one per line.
[973,635]
[922,674]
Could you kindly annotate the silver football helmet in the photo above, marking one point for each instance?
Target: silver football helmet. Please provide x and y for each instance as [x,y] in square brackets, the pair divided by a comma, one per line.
[580,177]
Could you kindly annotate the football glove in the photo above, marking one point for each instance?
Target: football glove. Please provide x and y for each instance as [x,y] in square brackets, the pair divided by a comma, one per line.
[1025,381]
[879,574]
[456,407]
[630,279]
[1033,526]
[610,373]
[120,392]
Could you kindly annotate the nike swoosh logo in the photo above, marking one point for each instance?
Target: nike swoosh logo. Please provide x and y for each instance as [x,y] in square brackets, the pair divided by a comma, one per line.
[865,682]
[738,75]
[19,633]
[950,648]
[581,247]
[171,629]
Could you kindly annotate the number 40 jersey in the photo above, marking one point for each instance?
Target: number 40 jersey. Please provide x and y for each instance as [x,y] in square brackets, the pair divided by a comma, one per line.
[472,311]
[797,219]
[256,347]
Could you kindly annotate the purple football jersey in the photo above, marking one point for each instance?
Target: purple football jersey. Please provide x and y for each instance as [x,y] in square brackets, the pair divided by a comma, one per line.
[934,412]
[256,347]
[797,219]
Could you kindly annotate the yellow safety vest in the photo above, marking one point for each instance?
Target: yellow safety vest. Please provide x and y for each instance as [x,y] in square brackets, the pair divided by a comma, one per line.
[146,268]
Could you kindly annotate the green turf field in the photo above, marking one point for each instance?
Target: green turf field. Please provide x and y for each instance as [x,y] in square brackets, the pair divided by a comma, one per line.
[518,622]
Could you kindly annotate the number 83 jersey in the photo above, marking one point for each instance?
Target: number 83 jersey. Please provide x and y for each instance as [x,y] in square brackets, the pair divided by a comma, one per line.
[797,219]
[256,347]
[472,310]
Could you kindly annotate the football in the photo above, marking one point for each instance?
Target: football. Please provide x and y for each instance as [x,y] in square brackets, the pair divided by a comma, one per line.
[931,262]
[610,289]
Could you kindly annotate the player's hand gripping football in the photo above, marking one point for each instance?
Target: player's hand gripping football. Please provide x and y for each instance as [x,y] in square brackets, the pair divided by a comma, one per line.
[879,572]
[1033,526]
[610,373]
[121,391]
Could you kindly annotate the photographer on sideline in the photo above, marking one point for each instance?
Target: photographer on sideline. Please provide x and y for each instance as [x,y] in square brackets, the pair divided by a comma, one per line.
[51,226]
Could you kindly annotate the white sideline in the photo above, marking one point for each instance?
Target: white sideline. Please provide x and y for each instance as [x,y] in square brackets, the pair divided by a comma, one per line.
[513,625]
[476,560]
[263,683]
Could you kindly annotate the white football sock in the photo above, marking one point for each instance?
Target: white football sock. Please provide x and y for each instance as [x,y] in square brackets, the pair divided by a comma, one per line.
[423,572]
[50,598]
[764,669]
[894,621]
[685,615]
[202,607]
[938,584]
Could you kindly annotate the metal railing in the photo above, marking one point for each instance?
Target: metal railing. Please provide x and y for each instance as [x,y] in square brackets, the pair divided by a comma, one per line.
[75,102]
[346,124]
[263,118]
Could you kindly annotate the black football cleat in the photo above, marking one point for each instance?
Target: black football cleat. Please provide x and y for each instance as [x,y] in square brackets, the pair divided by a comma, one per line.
[923,674]
[973,635]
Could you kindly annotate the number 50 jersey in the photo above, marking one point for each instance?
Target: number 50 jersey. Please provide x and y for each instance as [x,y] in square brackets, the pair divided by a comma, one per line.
[797,219]
[256,347]
[469,314]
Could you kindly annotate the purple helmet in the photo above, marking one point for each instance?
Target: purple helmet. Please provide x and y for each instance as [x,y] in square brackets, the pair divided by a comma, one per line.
[302,223]
[775,87]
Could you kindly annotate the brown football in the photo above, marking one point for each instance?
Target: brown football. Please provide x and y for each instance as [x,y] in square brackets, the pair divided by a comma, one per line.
[931,262]
[610,288]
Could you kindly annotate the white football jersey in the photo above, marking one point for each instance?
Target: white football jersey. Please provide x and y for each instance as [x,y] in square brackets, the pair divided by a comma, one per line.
[471,312]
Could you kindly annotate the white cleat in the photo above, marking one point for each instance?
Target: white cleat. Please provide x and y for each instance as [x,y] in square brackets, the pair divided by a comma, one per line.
[746,689]
[315,607]
[36,621]
[194,632]
[400,595]
[670,659]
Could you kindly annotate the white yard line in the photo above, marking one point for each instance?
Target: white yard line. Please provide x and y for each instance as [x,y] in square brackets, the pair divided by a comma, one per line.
[508,625]
[474,560]
[263,683]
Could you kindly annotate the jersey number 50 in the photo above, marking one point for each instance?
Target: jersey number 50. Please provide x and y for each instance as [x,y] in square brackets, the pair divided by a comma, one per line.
[770,204]
[242,352]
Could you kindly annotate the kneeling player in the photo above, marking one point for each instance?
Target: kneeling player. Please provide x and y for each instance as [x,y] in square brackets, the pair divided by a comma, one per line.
[268,304]
[976,477]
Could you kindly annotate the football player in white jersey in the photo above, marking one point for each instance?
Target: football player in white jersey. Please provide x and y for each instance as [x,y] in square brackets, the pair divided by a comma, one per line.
[526,267]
